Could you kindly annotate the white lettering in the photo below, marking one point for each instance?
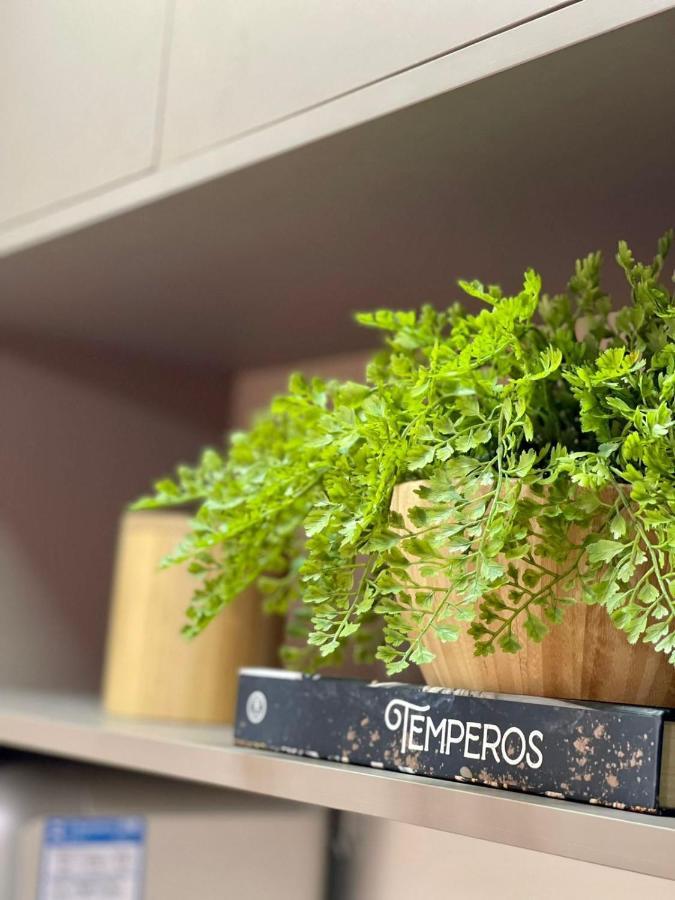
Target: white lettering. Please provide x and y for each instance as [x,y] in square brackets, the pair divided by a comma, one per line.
[419,732]
[491,744]
[436,731]
[535,749]
[454,740]
[415,729]
[505,746]
[397,714]
[471,738]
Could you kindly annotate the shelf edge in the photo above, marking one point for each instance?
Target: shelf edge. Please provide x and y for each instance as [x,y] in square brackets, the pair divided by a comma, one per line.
[75,728]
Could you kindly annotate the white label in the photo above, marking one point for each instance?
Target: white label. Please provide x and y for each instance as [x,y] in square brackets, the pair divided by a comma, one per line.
[256,707]
[92,859]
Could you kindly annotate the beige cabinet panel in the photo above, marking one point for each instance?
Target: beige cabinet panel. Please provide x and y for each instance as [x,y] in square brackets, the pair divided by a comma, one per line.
[238,65]
[392,861]
[79,83]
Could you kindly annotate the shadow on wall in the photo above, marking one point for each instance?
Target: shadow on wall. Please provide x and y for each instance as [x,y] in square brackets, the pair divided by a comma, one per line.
[83,433]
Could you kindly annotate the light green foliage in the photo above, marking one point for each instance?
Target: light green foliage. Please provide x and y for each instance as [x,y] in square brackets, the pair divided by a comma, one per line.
[525,436]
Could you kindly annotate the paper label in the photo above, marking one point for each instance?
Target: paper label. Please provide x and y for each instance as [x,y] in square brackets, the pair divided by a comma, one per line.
[92,858]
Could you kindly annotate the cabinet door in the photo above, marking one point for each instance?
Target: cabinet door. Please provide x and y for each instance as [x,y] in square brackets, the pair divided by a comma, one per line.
[238,65]
[79,82]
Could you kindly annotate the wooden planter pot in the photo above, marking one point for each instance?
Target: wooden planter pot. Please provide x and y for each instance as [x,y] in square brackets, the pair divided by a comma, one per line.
[584,658]
[151,669]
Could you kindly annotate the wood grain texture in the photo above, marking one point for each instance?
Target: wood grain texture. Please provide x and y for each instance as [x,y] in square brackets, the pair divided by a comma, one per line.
[584,658]
[151,669]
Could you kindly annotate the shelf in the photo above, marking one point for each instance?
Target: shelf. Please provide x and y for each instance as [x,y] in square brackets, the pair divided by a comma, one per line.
[534,145]
[74,727]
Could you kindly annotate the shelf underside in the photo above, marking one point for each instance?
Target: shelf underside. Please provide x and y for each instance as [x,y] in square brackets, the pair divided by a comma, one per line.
[74,727]
[532,166]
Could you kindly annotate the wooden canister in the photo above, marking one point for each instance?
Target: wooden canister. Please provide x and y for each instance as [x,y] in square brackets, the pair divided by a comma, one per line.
[151,670]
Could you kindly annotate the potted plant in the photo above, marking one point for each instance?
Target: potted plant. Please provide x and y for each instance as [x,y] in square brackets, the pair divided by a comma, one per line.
[496,498]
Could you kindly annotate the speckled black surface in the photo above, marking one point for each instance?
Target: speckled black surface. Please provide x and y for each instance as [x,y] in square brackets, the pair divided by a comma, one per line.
[590,752]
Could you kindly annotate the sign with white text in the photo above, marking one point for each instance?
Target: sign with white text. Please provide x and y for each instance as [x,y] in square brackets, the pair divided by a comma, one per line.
[599,753]
[92,858]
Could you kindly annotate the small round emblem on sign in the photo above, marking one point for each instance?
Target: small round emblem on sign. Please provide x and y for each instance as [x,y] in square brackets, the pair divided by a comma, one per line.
[256,707]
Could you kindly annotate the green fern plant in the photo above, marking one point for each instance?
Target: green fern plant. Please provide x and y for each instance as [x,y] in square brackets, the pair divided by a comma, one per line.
[523,431]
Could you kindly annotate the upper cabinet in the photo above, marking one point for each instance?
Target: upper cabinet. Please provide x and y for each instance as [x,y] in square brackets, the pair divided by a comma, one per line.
[235,66]
[79,88]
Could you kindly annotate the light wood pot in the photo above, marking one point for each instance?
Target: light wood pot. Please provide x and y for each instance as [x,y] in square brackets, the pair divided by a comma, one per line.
[151,669]
[583,658]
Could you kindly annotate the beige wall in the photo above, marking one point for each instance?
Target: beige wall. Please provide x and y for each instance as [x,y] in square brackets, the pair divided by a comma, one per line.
[83,432]
[251,389]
